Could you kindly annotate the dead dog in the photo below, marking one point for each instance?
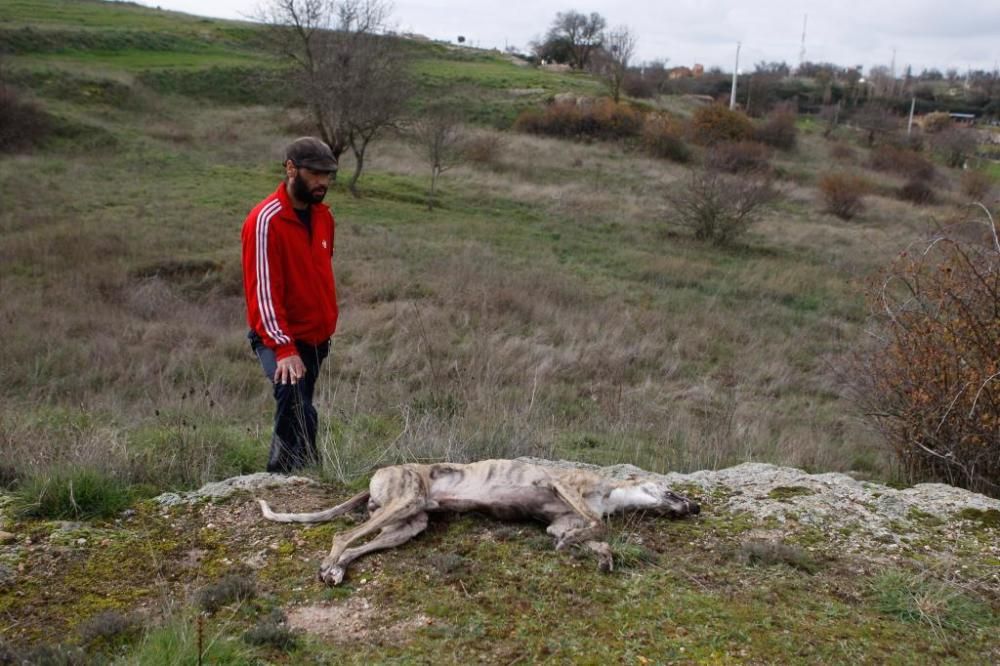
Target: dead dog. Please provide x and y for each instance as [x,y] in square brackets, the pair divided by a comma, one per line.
[572,501]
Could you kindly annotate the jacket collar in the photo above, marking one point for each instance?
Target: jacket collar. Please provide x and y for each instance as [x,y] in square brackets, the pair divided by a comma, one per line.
[287,210]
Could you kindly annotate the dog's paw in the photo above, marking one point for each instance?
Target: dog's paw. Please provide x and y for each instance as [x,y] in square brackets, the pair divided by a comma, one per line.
[332,576]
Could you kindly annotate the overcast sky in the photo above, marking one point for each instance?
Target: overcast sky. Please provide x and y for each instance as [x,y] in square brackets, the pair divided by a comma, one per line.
[956,33]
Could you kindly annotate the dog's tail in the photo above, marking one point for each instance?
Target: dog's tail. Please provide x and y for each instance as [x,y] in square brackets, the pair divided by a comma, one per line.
[318,516]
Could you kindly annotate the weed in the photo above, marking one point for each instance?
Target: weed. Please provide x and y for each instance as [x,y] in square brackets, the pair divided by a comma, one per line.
[232,588]
[782,493]
[181,641]
[108,629]
[941,605]
[272,631]
[770,553]
[71,494]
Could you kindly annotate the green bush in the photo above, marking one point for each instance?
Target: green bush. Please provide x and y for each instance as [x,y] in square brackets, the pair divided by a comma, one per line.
[715,123]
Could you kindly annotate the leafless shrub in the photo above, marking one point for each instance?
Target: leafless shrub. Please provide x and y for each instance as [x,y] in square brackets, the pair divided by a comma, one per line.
[842,194]
[918,191]
[955,145]
[22,124]
[719,207]
[715,123]
[663,136]
[738,157]
[876,121]
[977,185]
[778,130]
[758,552]
[439,135]
[232,588]
[842,152]
[108,628]
[483,148]
[902,161]
[930,378]
[938,121]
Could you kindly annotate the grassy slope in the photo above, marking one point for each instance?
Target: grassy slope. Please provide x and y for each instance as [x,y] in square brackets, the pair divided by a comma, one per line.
[545,308]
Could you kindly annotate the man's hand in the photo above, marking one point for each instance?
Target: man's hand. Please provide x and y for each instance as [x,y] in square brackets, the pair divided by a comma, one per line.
[290,370]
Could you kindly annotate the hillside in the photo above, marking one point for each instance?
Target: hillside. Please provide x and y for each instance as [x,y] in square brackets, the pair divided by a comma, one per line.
[551,305]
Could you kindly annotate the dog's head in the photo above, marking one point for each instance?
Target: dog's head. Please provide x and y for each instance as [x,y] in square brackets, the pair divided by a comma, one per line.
[653,496]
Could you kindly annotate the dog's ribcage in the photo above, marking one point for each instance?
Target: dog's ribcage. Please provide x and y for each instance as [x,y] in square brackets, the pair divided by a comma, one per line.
[511,490]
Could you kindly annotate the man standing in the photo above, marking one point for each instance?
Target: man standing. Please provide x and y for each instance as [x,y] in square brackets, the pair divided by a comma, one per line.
[291,297]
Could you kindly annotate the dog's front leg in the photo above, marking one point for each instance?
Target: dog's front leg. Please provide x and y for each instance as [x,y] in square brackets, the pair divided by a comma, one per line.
[391,536]
[394,512]
[571,529]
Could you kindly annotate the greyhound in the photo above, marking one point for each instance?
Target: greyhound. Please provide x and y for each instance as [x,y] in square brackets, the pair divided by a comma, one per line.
[572,501]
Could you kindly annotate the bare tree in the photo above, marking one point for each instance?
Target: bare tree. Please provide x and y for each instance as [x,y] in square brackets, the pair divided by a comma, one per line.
[618,48]
[876,121]
[577,34]
[439,134]
[352,74]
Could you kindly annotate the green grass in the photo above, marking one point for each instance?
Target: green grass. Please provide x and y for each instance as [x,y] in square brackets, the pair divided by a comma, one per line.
[78,494]
[99,14]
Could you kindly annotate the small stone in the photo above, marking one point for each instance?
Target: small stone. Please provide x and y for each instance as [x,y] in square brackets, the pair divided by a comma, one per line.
[7,537]
[81,542]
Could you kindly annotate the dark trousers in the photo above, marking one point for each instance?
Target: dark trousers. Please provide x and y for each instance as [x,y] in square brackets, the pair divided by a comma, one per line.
[293,443]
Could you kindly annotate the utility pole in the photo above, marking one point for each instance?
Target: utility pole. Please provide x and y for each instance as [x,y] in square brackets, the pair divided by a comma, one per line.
[802,51]
[736,69]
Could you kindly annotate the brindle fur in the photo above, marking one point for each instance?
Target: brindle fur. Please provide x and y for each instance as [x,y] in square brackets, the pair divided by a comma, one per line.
[572,501]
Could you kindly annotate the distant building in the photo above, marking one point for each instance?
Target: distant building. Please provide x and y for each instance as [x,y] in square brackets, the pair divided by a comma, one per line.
[686,72]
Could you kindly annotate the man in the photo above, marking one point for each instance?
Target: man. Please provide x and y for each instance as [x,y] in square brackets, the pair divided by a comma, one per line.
[291,297]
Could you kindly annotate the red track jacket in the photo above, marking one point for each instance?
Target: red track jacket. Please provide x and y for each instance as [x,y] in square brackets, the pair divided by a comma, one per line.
[288,276]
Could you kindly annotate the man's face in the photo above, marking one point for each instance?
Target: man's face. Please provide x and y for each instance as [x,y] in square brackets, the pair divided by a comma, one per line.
[309,186]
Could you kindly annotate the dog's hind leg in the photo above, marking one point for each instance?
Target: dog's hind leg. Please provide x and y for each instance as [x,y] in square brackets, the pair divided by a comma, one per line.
[590,524]
[392,535]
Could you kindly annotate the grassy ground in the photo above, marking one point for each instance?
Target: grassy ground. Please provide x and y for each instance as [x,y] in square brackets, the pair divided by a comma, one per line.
[705,590]
[551,305]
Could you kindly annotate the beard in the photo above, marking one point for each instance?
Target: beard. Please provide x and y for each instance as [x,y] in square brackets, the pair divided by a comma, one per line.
[304,194]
